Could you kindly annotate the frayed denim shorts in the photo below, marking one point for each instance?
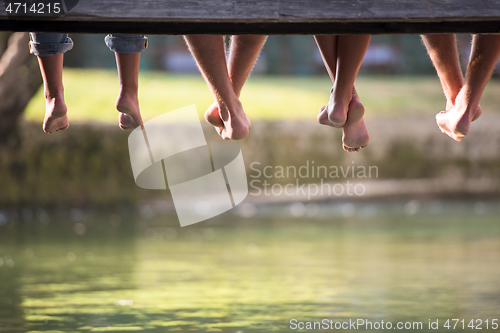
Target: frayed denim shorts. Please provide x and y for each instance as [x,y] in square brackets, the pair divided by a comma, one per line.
[46,44]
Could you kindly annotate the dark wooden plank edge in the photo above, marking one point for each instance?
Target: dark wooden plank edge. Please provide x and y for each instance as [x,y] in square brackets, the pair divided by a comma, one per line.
[263,28]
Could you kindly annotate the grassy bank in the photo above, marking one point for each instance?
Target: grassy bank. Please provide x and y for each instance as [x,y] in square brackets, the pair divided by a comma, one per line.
[90,164]
[90,95]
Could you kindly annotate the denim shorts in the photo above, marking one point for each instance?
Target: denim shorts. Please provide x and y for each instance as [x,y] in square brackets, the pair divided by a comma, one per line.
[46,44]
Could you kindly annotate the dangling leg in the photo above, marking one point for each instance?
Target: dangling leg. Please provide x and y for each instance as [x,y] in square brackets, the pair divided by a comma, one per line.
[50,49]
[209,54]
[442,49]
[127,49]
[51,68]
[327,45]
[484,56]
[243,53]
[128,102]
[343,56]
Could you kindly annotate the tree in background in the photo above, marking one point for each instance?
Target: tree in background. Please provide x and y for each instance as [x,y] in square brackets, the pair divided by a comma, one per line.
[20,79]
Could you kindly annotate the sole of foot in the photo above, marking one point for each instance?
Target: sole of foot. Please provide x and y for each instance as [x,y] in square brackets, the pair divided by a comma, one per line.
[213,118]
[126,122]
[56,118]
[355,133]
[130,116]
[456,126]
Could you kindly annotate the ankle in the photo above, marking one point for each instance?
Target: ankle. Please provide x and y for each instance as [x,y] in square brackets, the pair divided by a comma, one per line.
[232,106]
[54,95]
[129,91]
[342,98]
[464,103]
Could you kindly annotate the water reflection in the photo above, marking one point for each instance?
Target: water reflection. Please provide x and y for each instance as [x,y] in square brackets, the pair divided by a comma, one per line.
[251,271]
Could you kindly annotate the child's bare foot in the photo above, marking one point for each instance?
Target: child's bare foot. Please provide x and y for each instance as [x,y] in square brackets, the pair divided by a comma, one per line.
[130,115]
[55,115]
[230,123]
[456,121]
[355,133]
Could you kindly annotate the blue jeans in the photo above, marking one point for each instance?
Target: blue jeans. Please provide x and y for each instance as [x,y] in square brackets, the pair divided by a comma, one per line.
[46,44]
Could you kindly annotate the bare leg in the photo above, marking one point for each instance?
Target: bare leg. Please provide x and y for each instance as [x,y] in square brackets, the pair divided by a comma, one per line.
[355,133]
[51,68]
[128,102]
[327,46]
[243,53]
[484,56]
[209,54]
[343,56]
[442,49]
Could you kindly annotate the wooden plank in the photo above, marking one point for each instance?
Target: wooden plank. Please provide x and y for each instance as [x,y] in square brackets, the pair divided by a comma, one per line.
[390,10]
[262,17]
[280,28]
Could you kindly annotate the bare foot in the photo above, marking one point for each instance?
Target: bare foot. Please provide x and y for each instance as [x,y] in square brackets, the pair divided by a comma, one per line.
[356,110]
[231,124]
[213,118]
[55,115]
[130,115]
[355,134]
[336,113]
[456,121]
[479,110]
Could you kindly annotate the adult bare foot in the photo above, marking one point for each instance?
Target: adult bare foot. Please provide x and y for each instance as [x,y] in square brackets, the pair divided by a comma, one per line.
[355,133]
[55,115]
[130,115]
[355,107]
[477,114]
[456,121]
[212,116]
[335,112]
[236,124]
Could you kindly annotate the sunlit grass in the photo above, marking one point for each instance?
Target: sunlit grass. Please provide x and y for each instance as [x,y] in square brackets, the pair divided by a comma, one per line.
[90,95]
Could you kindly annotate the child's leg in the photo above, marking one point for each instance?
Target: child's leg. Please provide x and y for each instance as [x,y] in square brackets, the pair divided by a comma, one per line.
[50,48]
[209,54]
[484,56]
[127,102]
[127,50]
[243,53]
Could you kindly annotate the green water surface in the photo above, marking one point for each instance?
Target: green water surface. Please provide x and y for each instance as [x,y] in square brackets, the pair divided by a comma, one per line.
[106,272]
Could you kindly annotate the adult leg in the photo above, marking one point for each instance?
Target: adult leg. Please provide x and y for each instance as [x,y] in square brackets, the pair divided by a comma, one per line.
[484,56]
[327,45]
[243,53]
[209,54]
[343,56]
[128,50]
[442,49]
[50,49]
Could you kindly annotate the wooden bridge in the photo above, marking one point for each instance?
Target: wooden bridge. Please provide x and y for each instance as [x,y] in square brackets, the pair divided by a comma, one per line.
[303,17]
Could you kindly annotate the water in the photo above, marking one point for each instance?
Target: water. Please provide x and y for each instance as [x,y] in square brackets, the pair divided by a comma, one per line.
[108,272]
